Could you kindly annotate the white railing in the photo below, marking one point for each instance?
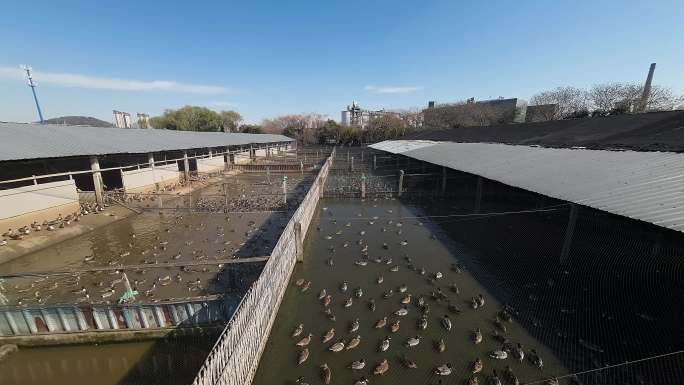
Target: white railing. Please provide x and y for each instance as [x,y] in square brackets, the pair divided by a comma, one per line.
[235,356]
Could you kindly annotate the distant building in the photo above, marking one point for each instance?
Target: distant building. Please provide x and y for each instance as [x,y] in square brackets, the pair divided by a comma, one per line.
[475,113]
[356,116]
[541,113]
[143,120]
[122,119]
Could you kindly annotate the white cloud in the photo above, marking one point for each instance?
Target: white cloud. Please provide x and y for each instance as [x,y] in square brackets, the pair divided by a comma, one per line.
[392,89]
[114,84]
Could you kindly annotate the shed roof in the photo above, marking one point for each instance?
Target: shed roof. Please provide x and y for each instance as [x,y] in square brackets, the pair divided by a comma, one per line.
[648,186]
[33,141]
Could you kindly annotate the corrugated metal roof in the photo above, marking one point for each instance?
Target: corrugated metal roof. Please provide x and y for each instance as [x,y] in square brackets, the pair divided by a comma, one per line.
[648,186]
[32,141]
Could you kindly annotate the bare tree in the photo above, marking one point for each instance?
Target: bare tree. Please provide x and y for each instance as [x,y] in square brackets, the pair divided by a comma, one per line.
[605,97]
[570,100]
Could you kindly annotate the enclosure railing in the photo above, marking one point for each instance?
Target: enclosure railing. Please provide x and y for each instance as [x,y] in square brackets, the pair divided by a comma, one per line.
[235,356]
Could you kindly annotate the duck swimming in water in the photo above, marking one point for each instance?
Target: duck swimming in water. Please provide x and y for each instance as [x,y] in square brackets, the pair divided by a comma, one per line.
[413,341]
[476,336]
[353,343]
[394,327]
[512,378]
[358,365]
[304,341]
[401,312]
[380,279]
[536,360]
[344,286]
[303,356]
[498,355]
[379,324]
[477,366]
[329,335]
[298,330]
[359,292]
[446,322]
[443,370]
[384,344]
[403,288]
[337,347]
[326,374]
[406,300]
[362,381]
[440,346]
[381,368]
[348,302]
[409,364]
[322,294]
[326,300]
[354,326]
[422,323]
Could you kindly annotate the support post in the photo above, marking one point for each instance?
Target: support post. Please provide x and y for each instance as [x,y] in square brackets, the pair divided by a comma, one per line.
[186,167]
[444,180]
[363,186]
[150,160]
[347,155]
[478,194]
[401,182]
[351,164]
[35,181]
[375,162]
[97,180]
[569,231]
[299,243]
[301,167]
[285,189]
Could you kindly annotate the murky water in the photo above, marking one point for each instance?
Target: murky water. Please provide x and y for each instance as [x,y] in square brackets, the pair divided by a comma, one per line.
[348,227]
[172,361]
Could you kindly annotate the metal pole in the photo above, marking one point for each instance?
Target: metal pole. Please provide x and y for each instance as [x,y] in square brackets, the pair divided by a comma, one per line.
[351,164]
[401,181]
[285,189]
[32,84]
[363,186]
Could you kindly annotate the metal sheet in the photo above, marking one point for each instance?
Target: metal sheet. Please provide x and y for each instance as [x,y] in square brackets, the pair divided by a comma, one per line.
[33,141]
[647,186]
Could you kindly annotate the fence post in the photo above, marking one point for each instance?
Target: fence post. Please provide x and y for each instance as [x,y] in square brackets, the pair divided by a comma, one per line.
[285,189]
[97,179]
[225,195]
[375,162]
[363,186]
[186,167]
[35,181]
[301,167]
[401,181]
[299,243]
[351,164]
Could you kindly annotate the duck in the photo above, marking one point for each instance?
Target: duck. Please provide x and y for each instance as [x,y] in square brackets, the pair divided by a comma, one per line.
[379,324]
[384,344]
[472,381]
[361,262]
[536,359]
[454,288]
[330,315]
[322,294]
[476,336]
[329,335]
[388,294]
[362,381]
[500,325]
[422,323]
[446,322]
[394,268]
[512,378]
[343,286]
[498,354]
[358,292]
[480,300]
[494,379]
[326,374]
[306,286]
[438,275]
[518,352]
[401,312]
[380,280]
[454,308]
[354,326]
[409,364]
[551,381]
[354,342]
[412,341]
[358,364]
[348,302]
[406,300]
[477,366]
[304,341]
[440,346]
[326,300]
[474,304]
[443,370]
[337,346]
[381,368]
[303,356]
[394,327]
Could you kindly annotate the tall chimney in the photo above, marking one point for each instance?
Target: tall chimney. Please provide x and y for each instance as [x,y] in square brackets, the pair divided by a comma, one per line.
[647,89]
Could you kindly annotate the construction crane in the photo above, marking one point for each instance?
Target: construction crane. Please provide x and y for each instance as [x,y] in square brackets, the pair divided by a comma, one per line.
[32,84]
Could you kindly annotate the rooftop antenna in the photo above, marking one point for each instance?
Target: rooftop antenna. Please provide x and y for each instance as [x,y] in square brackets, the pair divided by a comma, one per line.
[32,84]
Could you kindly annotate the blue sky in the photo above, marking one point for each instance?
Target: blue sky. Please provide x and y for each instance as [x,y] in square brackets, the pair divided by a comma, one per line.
[265,59]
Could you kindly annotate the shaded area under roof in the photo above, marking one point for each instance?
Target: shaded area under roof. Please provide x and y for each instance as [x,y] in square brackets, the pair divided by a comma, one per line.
[33,141]
[655,131]
[647,186]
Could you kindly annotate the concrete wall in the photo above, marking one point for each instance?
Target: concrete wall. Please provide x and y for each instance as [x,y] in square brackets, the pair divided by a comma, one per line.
[242,157]
[209,165]
[22,205]
[143,180]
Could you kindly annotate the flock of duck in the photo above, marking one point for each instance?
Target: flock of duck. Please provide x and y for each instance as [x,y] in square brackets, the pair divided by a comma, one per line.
[419,301]
[58,223]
